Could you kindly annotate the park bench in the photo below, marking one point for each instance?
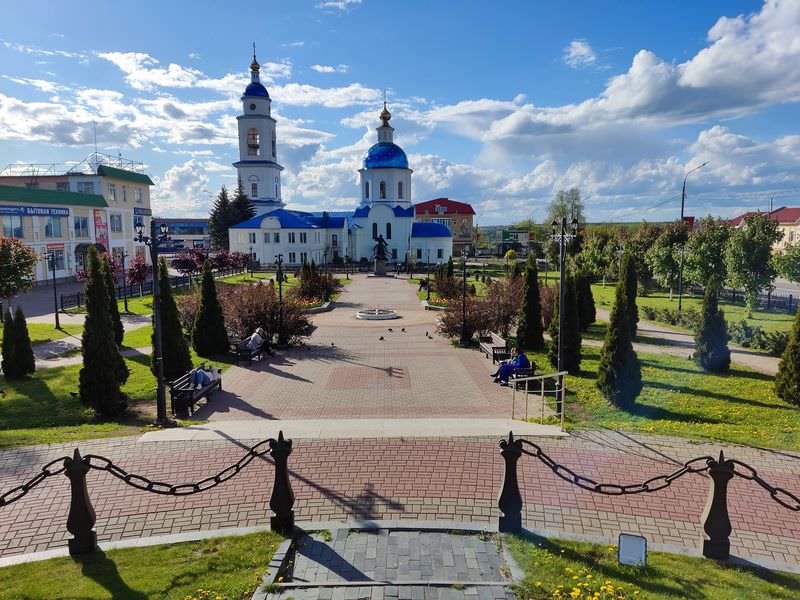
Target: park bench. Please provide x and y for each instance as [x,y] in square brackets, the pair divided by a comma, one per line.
[521,374]
[242,353]
[184,396]
[495,347]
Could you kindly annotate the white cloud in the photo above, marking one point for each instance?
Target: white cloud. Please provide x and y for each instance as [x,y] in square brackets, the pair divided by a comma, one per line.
[142,71]
[297,44]
[180,190]
[579,54]
[329,68]
[194,56]
[42,51]
[300,94]
[342,5]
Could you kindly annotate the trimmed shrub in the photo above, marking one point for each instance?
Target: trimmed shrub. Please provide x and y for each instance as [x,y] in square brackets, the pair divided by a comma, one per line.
[174,349]
[209,336]
[7,364]
[586,310]
[619,376]
[711,341]
[18,359]
[113,307]
[572,333]
[530,332]
[630,287]
[787,380]
[104,370]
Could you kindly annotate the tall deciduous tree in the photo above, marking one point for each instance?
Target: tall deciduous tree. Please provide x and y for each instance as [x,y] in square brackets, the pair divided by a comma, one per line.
[530,333]
[174,349]
[220,220]
[113,307]
[138,271]
[571,330]
[619,376]
[566,203]
[17,266]
[664,255]
[629,285]
[599,256]
[705,251]
[748,256]
[208,333]
[104,370]
[637,245]
[787,262]
[711,340]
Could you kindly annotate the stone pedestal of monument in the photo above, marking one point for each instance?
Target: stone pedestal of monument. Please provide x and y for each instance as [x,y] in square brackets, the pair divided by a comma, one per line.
[380,267]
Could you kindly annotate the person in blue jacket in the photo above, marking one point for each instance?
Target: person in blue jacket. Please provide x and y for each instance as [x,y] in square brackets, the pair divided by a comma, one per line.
[518,360]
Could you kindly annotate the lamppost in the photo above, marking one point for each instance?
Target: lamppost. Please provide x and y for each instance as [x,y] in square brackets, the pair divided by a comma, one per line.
[123,255]
[464,339]
[347,266]
[562,237]
[51,263]
[250,261]
[428,277]
[157,235]
[279,277]
[680,268]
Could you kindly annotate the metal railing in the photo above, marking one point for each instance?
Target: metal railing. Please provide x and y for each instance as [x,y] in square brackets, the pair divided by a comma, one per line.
[558,392]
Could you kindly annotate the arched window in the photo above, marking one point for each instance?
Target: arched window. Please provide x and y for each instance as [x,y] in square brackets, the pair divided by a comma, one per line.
[253,142]
[274,146]
[254,190]
[383,190]
[374,231]
[388,231]
[366,189]
[277,195]
[400,190]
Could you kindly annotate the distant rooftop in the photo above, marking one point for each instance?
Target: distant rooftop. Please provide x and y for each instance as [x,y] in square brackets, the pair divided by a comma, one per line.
[785,214]
[88,166]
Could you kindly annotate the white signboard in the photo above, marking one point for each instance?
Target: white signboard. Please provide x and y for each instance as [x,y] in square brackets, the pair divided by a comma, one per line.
[632,550]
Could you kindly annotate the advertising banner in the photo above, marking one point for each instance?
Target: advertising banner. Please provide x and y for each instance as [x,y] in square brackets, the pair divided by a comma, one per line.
[146,212]
[100,229]
[34,211]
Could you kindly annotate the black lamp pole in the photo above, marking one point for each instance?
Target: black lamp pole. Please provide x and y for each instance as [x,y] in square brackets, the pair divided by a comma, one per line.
[464,339]
[562,237]
[250,262]
[124,285]
[157,235]
[680,268]
[347,266]
[279,277]
[51,262]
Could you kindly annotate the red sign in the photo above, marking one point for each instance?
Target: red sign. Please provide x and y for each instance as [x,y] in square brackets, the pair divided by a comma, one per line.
[100,229]
[55,246]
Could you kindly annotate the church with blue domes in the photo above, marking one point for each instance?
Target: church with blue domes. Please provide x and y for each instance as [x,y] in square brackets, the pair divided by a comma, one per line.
[384,209]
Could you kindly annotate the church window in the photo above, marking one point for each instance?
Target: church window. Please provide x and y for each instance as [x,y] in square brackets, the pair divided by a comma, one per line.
[274,145]
[303,237]
[388,231]
[383,190]
[366,189]
[253,142]
[276,187]
[419,253]
[394,253]
[291,257]
[400,190]
[251,238]
[439,253]
[304,257]
[277,237]
[254,190]
[266,237]
[291,238]
[374,231]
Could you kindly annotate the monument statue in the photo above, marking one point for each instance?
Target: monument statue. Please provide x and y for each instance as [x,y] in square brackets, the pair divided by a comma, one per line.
[380,248]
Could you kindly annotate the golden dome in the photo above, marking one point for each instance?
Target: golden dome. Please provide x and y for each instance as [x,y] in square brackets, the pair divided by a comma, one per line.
[385,115]
[254,66]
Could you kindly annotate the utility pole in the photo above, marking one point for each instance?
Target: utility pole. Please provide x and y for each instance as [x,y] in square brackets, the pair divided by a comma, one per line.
[683,246]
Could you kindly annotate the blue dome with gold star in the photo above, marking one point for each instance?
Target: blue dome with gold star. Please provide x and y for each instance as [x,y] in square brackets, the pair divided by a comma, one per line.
[386,155]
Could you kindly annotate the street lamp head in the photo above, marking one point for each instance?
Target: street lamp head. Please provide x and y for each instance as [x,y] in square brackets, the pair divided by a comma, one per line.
[139,229]
[554,225]
[164,229]
[574,226]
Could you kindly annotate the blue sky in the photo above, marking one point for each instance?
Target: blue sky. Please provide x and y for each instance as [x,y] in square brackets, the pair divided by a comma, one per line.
[497,104]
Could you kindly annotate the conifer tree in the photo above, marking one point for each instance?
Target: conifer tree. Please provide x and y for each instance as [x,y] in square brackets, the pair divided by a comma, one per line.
[450,268]
[7,364]
[572,334]
[219,220]
[787,380]
[208,332]
[711,341]
[113,307]
[241,207]
[23,351]
[630,283]
[104,370]
[586,309]
[619,376]
[175,354]
[530,332]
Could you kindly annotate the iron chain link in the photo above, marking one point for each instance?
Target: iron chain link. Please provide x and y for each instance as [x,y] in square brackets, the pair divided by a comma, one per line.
[659,482]
[780,495]
[101,463]
[20,491]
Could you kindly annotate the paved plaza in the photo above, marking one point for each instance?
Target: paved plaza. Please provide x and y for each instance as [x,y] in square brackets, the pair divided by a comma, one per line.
[372,479]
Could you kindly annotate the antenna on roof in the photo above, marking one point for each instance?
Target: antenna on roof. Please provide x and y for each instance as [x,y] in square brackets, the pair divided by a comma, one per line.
[94,133]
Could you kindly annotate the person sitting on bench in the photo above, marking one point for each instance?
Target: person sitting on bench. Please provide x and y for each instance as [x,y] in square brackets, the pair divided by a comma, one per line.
[518,360]
[201,377]
[256,339]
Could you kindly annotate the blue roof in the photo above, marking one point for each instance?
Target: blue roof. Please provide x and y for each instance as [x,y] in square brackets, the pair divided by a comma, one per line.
[399,211]
[256,89]
[386,155]
[295,219]
[430,230]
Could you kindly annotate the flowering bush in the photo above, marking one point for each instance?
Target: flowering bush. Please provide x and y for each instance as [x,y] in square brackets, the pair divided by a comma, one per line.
[316,286]
[221,260]
[478,319]
[239,260]
[504,299]
[138,271]
[189,261]
[547,296]
[113,263]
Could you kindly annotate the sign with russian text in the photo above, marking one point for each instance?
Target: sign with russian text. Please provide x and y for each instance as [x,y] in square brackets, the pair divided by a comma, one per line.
[146,212]
[100,228]
[55,246]
[34,211]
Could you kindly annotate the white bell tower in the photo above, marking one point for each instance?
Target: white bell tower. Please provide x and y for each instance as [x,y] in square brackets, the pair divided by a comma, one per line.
[258,167]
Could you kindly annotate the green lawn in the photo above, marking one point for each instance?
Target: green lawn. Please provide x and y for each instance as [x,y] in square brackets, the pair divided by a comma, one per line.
[769,320]
[680,399]
[138,338]
[564,569]
[227,567]
[43,332]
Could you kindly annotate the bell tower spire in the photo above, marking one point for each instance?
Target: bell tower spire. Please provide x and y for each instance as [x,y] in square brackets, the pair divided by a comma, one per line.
[385,131]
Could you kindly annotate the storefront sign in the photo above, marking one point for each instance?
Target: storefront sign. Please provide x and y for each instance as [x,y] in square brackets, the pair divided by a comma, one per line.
[146,212]
[100,228]
[34,211]
[55,246]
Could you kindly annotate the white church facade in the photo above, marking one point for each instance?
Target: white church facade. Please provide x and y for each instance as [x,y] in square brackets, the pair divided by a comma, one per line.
[384,209]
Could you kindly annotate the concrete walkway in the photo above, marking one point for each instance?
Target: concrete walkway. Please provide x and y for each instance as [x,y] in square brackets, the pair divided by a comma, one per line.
[681,343]
[77,359]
